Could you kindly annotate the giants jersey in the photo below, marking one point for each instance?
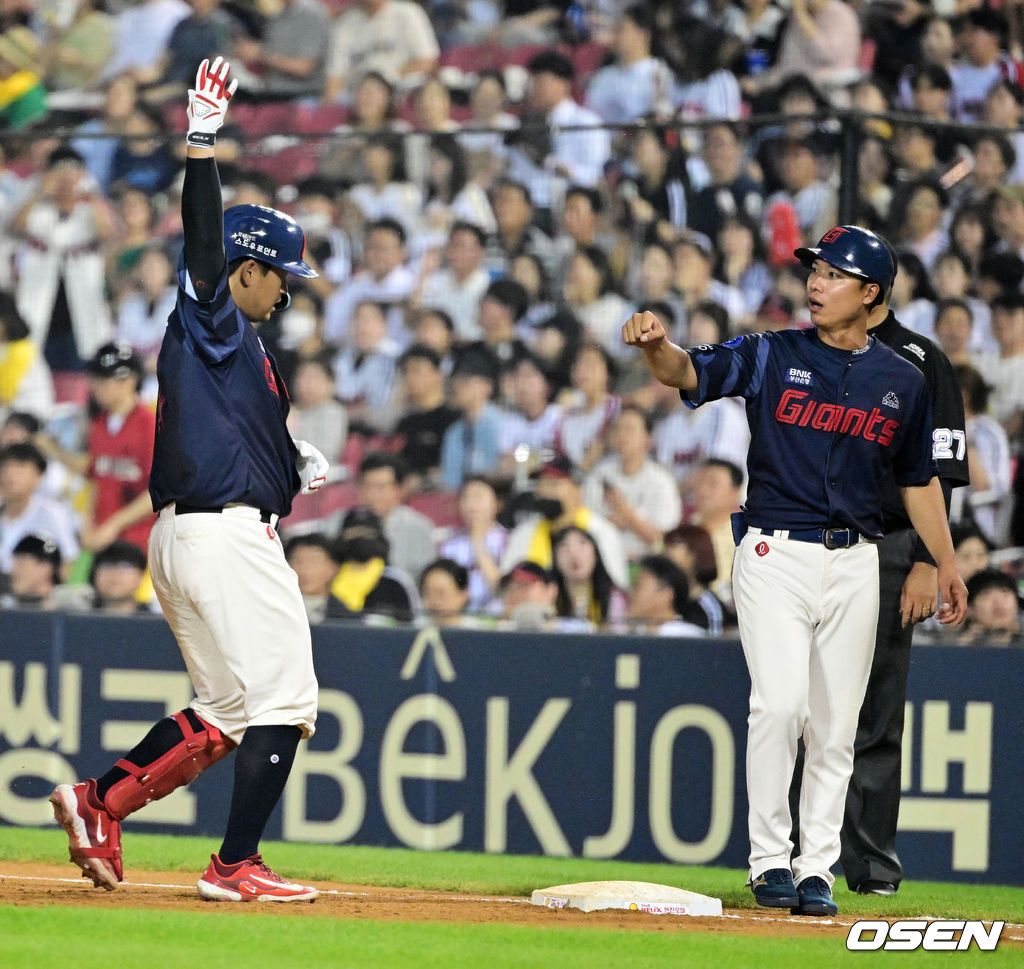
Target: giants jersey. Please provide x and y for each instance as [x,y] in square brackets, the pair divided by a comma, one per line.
[220,420]
[827,426]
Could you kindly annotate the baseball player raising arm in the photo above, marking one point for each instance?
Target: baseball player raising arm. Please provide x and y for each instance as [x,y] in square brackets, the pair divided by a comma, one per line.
[225,470]
[832,412]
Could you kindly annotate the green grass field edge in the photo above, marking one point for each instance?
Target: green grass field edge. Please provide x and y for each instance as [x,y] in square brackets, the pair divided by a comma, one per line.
[509,875]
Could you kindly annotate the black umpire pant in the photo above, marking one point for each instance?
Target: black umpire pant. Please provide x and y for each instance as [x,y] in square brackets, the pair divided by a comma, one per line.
[873,798]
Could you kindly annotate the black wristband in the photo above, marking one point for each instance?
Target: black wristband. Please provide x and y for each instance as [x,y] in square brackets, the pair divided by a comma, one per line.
[201,139]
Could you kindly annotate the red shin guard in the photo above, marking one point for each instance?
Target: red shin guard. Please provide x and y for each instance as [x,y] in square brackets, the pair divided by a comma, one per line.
[181,765]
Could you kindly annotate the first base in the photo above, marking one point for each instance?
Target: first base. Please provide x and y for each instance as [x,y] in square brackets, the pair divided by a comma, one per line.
[631,896]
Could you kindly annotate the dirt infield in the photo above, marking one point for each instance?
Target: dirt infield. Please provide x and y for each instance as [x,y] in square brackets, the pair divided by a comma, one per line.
[56,885]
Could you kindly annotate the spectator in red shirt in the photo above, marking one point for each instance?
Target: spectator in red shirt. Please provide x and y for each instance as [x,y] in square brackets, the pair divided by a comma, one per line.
[119,452]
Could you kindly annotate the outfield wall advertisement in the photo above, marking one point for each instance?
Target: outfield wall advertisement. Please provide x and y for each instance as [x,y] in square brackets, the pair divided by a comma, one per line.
[593,746]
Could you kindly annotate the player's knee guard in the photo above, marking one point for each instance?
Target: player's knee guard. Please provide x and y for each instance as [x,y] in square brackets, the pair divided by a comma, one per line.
[181,765]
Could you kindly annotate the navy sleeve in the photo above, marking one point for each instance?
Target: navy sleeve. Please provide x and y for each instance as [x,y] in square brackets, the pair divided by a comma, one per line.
[203,226]
[733,369]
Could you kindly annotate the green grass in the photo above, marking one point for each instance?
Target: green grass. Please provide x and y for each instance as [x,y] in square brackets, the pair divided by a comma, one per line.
[45,937]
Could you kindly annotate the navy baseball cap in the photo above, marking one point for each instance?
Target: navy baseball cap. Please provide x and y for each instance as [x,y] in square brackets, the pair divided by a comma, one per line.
[40,548]
[859,252]
[116,360]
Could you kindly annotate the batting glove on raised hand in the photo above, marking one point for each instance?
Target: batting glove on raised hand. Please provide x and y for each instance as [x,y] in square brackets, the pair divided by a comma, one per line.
[312,467]
[208,103]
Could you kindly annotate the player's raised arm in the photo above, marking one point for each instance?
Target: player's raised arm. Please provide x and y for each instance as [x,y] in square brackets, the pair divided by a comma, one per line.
[670,364]
[201,205]
[927,512]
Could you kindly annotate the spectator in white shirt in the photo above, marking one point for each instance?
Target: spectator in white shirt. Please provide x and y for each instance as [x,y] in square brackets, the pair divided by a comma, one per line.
[382,479]
[637,85]
[585,426]
[989,459]
[534,422]
[451,195]
[364,372]
[460,285]
[480,542]
[393,37]
[388,193]
[143,309]
[384,277]
[25,511]
[565,156]
[316,415]
[631,490]
[589,292]
[1004,370]
[658,598]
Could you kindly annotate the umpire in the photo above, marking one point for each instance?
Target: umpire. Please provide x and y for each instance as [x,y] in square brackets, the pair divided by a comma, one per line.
[907,576]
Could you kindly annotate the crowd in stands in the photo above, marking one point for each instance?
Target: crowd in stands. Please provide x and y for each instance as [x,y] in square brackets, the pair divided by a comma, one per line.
[484,220]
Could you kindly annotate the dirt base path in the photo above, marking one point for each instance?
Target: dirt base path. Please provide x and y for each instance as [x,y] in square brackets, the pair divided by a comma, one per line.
[44,885]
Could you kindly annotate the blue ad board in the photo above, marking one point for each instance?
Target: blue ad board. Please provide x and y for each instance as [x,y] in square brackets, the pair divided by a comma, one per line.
[592,746]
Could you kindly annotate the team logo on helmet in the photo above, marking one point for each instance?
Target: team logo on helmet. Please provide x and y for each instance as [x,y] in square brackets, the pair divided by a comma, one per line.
[833,234]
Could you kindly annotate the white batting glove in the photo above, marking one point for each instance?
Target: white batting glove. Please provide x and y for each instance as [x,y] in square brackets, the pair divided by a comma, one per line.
[208,103]
[312,467]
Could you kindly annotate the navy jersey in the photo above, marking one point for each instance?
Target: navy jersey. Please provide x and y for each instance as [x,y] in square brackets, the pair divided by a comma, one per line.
[220,420]
[827,426]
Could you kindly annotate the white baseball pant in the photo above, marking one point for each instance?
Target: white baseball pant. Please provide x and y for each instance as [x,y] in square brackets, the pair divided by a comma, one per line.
[234,606]
[807,618]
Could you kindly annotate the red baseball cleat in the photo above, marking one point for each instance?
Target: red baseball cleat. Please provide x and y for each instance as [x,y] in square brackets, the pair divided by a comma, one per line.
[94,837]
[249,881]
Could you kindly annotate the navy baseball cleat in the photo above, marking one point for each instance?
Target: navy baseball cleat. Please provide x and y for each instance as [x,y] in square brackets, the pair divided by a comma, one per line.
[774,888]
[815,898]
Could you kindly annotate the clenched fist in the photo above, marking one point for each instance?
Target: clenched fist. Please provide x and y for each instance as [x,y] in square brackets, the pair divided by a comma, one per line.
[643,330]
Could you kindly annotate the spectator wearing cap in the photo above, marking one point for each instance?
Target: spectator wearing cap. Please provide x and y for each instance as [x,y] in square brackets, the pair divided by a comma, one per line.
[60,290]
[312,558]
[117,576]
[119,452]
[989,458]
[35,574]
[471,445]
[730,189]
[983,63]
[427,415]
[636,84]
[392,37]
[558,503]
[693,260]
[658,598]
[458,286]
[25,511]
[563,157]
[366,584]
[25,380]
[479,543]
[820,38]
[382,486]
[993,610]
[529,593]
[384,278]
[631,490]
[1004,371]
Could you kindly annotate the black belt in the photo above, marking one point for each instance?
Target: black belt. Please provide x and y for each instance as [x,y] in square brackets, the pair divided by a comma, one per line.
[181,509]
[829,537]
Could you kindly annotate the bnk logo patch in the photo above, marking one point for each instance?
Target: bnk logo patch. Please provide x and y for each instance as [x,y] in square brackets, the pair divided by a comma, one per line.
[797,376]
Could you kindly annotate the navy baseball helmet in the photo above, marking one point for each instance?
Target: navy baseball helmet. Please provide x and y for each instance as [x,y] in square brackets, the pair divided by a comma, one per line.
[267,235]
[857,251]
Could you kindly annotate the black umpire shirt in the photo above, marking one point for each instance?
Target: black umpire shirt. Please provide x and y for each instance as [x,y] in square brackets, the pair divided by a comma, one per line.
[949,439]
